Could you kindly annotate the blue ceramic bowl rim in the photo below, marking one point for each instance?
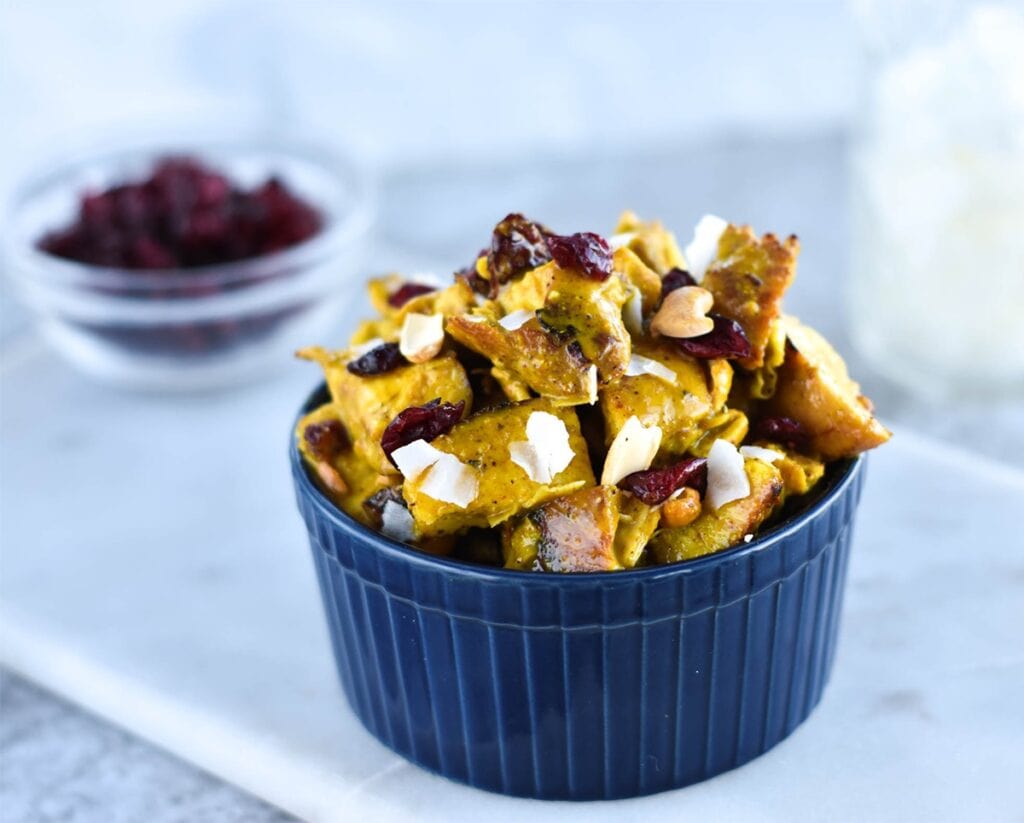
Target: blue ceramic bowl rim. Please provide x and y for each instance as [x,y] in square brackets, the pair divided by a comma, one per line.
[380,542]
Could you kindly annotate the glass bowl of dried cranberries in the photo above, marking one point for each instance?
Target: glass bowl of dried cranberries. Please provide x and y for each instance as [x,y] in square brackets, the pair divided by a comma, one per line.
[190,267]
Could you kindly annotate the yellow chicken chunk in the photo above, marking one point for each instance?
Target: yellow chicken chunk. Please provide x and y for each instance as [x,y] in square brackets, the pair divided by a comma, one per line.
[550,365]
[651,242]
[814,389]
[638,274]
[381,328]
[748,280]
[728,424]
[529,292]
[341,473]
[591,313]
[504,489]
[718,529]
[680,410]
[637,522]
[761,384]
[800,473]
[366,404]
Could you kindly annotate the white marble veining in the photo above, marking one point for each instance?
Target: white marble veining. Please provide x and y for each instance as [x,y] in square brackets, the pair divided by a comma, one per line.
[171,591]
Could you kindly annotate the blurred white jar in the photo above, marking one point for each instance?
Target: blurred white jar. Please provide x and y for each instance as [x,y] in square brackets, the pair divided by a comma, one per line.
[937,283]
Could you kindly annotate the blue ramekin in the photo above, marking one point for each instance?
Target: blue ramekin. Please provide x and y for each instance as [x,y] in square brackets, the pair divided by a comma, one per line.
[584,686]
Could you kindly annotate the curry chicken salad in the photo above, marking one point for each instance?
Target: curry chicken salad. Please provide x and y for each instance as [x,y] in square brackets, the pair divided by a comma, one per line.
[575,403]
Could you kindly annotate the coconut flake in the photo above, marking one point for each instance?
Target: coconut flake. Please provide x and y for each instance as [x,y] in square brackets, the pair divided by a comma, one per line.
[632,450]
[703,249]
[474,318]
[727,481]
[397,522]
[638,365]
[592,385]
[617,241]
[415,458]
[546,452]
[450,481]
[759,453]
[747,538]
[513,321]
[363,348]
[525,456]
[422,336]
[633,311]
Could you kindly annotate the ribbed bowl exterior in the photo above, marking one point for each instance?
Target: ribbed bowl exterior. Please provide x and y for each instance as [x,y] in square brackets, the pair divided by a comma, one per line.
[584,686]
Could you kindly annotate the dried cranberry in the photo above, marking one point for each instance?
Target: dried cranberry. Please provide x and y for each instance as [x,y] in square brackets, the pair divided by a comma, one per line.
[676,279]
[326,439]
[375,503]
[147,253]
[406,292]
[585,252]
[655,486]
[182,216]
[727,339]
[421,423]
[384,358]
[783,430]
[473,278]
[517,245]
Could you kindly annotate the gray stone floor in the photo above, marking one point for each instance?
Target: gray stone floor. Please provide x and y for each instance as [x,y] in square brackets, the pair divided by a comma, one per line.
[59,764]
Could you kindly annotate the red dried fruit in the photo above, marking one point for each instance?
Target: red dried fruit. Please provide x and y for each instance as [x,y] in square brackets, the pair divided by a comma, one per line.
[473,278]
[585,252]
[327,439]
[374,504]
[727,340]
[147,253]
[655,486]
[676,279]
[384,358]
[517,245]
[182,216]
[406,292]
[421,423]
[782,430]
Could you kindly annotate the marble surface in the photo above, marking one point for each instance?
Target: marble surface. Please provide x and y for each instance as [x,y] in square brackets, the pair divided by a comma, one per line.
[937,700]
[60,763]
[176,597]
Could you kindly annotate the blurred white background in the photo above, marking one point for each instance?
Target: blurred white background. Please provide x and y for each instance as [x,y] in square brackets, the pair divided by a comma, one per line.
[407,82]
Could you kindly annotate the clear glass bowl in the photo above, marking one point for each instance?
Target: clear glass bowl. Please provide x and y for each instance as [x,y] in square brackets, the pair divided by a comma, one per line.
[196,328]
